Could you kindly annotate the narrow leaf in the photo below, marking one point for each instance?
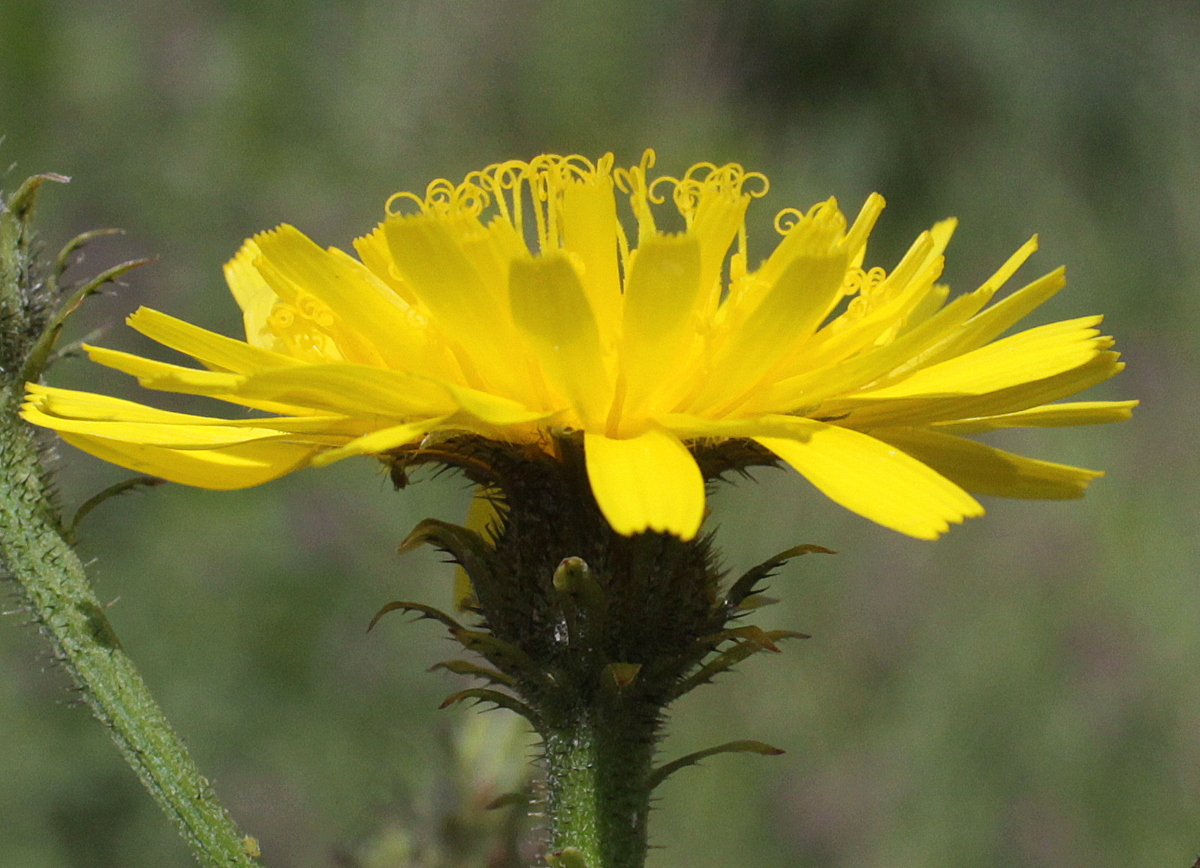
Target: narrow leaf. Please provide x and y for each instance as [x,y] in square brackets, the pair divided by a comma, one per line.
[93,286]
[35,362]
[469,549]
[422,610]
[503,700]
[755,636]
[116,490]
[21,202]
[498,652]
[728,659]
[747,584]
[661,773]
[465,667]
[63,261]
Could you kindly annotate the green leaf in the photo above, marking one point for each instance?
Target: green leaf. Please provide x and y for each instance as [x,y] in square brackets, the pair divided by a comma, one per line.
[423,612]
[484,694]
[35,362]
[128,485]
[748,583]
[755,636]
[498,652]
[465,667]
[731,657]
[661,773]
[466,547]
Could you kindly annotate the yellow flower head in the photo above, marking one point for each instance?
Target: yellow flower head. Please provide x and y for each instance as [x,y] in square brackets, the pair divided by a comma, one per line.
[517,306]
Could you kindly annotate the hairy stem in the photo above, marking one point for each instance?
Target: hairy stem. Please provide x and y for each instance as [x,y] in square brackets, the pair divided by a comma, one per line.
[598,779]
[34,552]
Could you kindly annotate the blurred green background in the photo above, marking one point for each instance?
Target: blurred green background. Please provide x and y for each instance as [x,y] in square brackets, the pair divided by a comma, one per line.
[1023,694]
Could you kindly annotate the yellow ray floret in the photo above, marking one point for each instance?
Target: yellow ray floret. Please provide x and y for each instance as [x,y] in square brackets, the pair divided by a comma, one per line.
[537,301]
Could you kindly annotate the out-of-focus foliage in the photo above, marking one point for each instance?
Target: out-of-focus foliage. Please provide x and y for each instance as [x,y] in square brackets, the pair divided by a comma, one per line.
[1022,694]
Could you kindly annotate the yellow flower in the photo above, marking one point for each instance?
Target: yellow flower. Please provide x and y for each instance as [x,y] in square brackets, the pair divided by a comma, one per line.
[516,306]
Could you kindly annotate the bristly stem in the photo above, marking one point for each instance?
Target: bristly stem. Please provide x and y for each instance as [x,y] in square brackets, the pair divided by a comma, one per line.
[598,771]
[35,553]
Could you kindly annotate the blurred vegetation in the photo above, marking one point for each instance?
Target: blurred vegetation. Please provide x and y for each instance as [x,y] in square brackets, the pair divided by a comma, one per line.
[1023,694]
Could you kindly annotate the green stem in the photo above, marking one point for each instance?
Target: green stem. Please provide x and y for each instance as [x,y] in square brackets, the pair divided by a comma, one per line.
[34,552]
[598,779]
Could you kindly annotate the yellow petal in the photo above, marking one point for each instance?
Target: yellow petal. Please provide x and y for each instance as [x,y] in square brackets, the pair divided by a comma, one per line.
[113,419]
[71,404]
[720,216]
[468,306]
[998,318]
[1048,416]
[860,230]
[362,306]
[661,295]
[790,310]
[900,293]
[929,305]
[378,441]
[873,479]
[164,376]
[230,467]
[355,390]
[589,229]
[1032,354]
[493,409]
[942,232]
[65,410]
[376,255]
[253,295]
[813,232]
[208,436]
[1010,266]
[865,412]
[810,389]
[215,351]
[187,381]
[986,470]
[650,482]
[550,306]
